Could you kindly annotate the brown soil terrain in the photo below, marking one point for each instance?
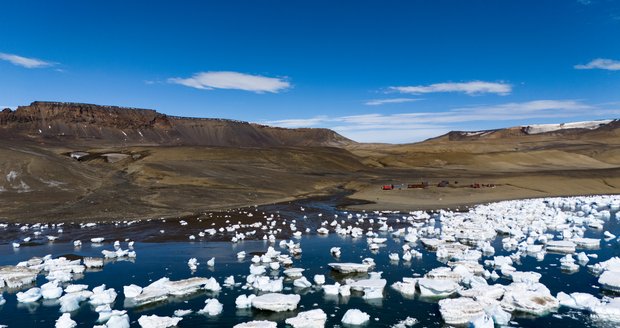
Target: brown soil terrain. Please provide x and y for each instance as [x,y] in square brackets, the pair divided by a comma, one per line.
[142,164]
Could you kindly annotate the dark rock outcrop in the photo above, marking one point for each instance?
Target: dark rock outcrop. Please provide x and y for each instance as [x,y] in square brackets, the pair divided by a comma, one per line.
[95,125]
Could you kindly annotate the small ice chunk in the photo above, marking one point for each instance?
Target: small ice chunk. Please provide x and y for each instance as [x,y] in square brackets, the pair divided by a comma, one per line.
[154,321]
[65,321]
[132,291]
[355,317]
[308,319]
[302,283]
[459,311]
[257,324]
[31,295]
[212,307]
[182,313]
[244,301]
[51,290]
[319,279]
[276,302]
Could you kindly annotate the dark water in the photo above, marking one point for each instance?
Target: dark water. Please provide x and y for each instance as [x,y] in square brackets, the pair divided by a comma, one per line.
[169,259]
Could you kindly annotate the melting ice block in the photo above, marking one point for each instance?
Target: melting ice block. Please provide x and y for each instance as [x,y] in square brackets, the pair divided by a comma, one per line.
[154,321]
[51,290]
[610,280]
[29,296]
[257,324]
[529,298]
[65,321]
[276,302]
[459,311]
[308,319]
[437,287]
[608,311]
[350,267]
[212,307]
[355,317]
[580,301]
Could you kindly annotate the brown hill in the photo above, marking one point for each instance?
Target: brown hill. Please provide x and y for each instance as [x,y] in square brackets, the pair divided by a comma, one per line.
[66,161]
[93,125]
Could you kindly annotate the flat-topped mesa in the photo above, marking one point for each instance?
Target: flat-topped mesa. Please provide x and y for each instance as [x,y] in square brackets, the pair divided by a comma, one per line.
[94,125]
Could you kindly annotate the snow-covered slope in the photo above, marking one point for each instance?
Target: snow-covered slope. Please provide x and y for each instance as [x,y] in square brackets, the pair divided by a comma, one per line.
[543,128]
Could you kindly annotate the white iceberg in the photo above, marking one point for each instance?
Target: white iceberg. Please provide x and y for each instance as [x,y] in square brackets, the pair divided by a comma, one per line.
[65,321]
[276,302]
[257,324]
[212,307]
[308,319]
[355,317]
[459,311]
[154,321]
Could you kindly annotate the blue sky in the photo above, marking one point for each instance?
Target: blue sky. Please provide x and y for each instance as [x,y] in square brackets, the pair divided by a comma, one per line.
[375,71]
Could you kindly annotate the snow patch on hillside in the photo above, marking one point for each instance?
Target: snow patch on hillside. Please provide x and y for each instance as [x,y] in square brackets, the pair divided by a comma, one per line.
[542,128]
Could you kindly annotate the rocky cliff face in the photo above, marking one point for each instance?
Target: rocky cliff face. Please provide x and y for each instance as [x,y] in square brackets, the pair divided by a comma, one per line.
[87,124]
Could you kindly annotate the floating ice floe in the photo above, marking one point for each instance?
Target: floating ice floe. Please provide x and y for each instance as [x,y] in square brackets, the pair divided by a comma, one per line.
[372,288]
[579,301]
[302,283]
[437,287]
[355,317]
[16,276]
[65,321]
[561,246]
[459,311]
[319,279]
[154,321]
[276,302]
[244,301]
[212,307]
[93,262]
[71,301]
[351,267]
[193,264]
[182,313]
[308,319]
[529,298]
[31,295]
[257,324]
[51,290]
[102,296]
[119,253]
[164,288]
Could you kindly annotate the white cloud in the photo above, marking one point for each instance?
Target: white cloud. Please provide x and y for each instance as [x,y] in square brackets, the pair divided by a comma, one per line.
[300,123]
[233,80]
[378,102]
[470,88]
[601,63]
[410,127]
[24,61]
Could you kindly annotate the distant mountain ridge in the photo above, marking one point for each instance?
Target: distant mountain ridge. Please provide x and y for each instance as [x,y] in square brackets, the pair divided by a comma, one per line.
[569,129]
[89,124]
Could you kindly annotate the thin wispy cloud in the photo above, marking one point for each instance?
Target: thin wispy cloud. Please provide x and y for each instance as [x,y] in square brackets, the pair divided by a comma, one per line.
[25,61]
[470,88]
[233,81]
[409,127]
[379,102]
[601,63]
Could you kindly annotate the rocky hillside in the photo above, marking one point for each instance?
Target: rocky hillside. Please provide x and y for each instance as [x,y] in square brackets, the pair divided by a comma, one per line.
[95,125]
[571,130]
